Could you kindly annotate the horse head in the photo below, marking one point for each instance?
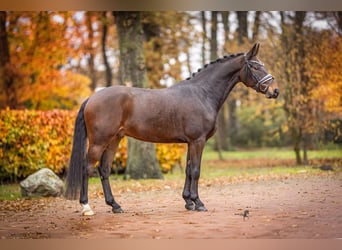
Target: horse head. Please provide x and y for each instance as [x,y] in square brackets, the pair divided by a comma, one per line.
[254,75]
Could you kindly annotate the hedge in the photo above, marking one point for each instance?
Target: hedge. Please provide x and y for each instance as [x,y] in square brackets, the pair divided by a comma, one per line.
[31,140]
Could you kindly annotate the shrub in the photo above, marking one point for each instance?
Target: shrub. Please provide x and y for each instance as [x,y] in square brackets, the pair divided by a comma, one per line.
[30,140]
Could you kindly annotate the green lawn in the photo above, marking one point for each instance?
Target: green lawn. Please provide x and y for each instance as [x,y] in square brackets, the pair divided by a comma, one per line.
[10,192]
[271,153]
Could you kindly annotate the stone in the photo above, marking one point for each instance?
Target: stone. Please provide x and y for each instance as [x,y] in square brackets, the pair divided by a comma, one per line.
[42,183]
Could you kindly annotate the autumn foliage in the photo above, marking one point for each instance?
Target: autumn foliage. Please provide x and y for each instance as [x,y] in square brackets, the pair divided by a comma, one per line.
[31,140]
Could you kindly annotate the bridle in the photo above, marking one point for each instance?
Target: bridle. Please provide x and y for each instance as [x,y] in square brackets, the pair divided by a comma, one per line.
[262,84]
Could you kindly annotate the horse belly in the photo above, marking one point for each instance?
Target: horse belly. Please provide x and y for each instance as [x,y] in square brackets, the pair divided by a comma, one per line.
[155,125]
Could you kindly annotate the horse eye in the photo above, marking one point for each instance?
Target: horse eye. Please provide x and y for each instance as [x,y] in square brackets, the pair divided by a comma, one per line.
[256,66]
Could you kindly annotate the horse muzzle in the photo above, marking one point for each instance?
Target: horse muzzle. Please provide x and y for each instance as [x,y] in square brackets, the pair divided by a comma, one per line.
[272,91]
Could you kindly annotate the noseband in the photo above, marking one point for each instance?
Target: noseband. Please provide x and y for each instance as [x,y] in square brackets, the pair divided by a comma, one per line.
[262,84]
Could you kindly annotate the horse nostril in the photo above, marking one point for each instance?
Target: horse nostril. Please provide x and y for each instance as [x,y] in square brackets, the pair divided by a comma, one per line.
[276,93]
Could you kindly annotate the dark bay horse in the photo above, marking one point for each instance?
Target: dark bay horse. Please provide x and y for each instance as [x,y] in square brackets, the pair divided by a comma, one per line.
[183,113]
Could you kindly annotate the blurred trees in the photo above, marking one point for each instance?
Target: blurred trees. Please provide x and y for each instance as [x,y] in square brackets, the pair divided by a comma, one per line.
[308,55]
[221,135]
[38,52]
[56,59]
[169,37]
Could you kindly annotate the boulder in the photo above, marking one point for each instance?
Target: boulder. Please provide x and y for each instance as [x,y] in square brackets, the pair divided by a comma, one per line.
[42,183]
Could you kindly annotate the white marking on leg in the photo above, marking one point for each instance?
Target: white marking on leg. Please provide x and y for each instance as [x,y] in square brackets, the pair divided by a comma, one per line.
[87,211]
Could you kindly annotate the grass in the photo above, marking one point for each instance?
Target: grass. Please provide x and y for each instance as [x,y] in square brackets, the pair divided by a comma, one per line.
[10,192]
[214,170]
[269,153]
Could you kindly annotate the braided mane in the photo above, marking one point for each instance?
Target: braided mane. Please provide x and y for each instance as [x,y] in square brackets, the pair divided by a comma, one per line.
[219,60]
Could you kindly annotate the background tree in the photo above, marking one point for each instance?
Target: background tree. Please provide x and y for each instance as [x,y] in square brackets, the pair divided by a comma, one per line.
[46,66]
[220,137]
[168,37]
[39,49]
[90,49]
[108,70]
[6,76]
[242,36]
[256,26]
[204,36]
[303,56]
[142,162]
[295,94]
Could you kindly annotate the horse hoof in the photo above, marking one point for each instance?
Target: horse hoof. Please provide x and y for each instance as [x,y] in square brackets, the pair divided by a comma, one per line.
[190,207]
[201,209]
[117,210]
[87,211]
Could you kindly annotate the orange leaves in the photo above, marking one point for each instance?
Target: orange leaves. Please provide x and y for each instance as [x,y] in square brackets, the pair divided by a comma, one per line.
[169,155]
[30,140]
[326,72]
[39,50]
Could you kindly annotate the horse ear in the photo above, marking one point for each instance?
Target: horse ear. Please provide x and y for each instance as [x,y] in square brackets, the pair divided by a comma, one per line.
[254,51]
[257,49]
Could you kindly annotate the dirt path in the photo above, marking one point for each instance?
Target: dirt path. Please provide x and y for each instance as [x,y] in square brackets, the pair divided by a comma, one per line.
[296,207]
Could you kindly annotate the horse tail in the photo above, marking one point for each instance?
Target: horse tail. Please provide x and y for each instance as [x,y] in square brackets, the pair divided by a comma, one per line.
[78,160]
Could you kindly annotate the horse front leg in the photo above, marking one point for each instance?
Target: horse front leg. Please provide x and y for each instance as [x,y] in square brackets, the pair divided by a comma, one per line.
[189,205]
[195,150]
[104,170]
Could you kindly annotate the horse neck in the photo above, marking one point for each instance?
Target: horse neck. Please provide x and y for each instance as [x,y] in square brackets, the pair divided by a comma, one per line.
[221,81]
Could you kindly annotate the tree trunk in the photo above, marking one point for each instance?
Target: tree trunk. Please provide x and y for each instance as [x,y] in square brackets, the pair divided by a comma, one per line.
[338,18]
[233,119]
[142,162]
[6,77]
[225,17]
[297,137]
[219,137]
[204,36]
[223,118]
[108,71]
[242,28]
[90,49]
[4,49]
[305,150]
[256,26]
[295,106]
[154,66]
[303,79]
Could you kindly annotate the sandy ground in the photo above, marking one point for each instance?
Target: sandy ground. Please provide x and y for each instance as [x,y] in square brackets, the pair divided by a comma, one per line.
[299,207]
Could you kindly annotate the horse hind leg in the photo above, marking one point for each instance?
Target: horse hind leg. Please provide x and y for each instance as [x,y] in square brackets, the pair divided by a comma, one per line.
[94,155]
[104,170]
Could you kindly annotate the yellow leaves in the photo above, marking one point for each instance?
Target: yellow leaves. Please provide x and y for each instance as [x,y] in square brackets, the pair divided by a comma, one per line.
[324,68]
[169,155]
[30,140]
